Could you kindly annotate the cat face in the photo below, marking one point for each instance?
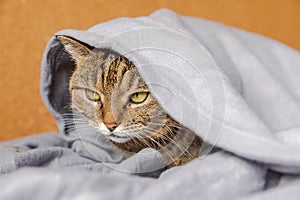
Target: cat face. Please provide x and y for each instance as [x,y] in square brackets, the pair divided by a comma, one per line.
[108,91]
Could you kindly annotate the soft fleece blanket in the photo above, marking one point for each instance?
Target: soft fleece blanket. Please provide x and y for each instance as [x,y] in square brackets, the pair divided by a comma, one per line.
[239,91]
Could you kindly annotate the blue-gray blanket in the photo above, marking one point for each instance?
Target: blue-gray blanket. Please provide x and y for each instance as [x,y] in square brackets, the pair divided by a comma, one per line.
[239,91]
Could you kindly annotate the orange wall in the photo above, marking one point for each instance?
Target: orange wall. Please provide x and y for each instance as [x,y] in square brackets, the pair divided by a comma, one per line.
[27,25]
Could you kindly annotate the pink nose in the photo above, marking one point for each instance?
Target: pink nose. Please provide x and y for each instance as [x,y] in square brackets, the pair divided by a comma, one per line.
[111,126]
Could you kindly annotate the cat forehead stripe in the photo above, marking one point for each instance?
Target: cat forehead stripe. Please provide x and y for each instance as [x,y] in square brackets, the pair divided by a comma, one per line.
[114,67]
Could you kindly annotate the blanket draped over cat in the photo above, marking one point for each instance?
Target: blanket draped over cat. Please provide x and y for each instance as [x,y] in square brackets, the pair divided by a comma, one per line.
[239,91]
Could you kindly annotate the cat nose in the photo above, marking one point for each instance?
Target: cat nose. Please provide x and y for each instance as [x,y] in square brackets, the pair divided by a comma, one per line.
[111,126]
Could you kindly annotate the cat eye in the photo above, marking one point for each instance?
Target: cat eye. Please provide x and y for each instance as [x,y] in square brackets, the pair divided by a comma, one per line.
[92,95]
[139,97]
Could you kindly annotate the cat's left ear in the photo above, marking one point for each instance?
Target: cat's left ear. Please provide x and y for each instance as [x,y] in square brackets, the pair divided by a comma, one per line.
[77,50]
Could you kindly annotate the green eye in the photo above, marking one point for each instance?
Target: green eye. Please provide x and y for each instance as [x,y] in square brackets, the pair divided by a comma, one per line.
[92,95]
[139,97]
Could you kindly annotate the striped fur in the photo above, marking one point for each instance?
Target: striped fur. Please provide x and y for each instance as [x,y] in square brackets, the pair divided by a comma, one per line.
[136,126]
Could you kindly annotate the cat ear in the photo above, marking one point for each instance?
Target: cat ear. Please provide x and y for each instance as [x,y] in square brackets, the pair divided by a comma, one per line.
[74,48]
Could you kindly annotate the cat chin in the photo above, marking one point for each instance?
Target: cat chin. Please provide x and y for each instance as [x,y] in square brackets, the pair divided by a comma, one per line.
[118,139]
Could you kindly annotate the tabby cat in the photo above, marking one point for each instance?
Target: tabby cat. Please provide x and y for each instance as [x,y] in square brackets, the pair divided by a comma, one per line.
[107,89]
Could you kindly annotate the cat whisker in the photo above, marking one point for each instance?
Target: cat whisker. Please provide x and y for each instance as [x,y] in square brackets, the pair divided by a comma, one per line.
[138,143]
[161,147]
[80,130]
[144,141]
[74,121]
[178,144]
[165,124]
[184,148]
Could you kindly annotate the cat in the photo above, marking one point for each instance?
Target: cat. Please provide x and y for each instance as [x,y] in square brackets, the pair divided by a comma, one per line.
[107,89]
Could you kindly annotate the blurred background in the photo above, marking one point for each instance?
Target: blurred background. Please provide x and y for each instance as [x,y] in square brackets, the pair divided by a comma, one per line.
[27,25]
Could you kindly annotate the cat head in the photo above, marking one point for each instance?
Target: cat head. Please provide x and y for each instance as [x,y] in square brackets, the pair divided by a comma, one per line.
[107,89]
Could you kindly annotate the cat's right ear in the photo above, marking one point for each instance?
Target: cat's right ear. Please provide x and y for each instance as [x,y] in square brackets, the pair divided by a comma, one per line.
[77,50]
